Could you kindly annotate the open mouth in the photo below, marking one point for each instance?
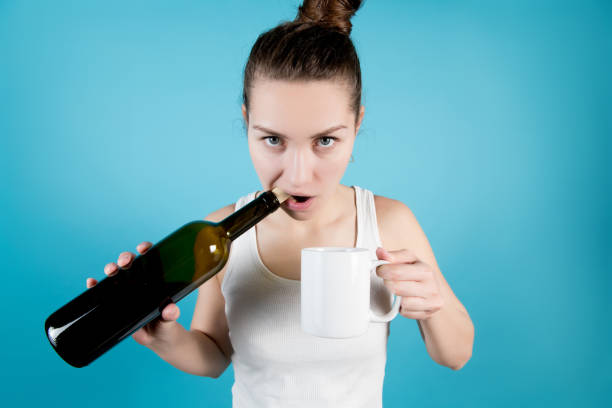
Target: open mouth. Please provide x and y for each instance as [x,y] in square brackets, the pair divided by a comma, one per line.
[299,202]
[300,199]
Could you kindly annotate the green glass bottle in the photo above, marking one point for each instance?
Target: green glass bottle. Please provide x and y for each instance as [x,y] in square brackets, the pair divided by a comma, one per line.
[99,318]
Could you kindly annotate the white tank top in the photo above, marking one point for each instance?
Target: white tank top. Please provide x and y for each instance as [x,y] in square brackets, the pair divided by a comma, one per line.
[276,364]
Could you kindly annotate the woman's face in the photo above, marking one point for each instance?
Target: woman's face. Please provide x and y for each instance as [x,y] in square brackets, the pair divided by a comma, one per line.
[301,136]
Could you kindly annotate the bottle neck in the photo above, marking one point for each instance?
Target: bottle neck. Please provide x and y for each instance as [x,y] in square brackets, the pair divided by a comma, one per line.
[242,220]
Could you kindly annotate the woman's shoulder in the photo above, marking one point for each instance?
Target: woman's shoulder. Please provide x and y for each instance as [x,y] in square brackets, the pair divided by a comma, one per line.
[396,221]
[220,214]
[389,207]
[223,212]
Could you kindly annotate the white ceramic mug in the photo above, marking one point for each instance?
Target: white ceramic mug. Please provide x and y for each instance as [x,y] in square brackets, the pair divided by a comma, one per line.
[335,292]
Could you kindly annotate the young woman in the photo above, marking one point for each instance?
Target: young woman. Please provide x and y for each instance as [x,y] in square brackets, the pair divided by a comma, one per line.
[302,107]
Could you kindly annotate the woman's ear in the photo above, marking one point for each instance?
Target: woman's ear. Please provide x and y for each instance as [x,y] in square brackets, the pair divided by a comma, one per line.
[245,115]
[360,118]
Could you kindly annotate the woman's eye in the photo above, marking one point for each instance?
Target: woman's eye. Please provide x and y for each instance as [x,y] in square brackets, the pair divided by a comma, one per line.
[272,140]
[327,141]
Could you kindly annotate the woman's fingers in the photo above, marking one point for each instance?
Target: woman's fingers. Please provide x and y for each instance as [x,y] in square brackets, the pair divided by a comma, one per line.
[170,312]
[110,269]
[144,247]
[125,259]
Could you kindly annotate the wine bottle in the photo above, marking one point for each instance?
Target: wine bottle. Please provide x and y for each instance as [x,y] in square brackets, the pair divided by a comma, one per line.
[99,318]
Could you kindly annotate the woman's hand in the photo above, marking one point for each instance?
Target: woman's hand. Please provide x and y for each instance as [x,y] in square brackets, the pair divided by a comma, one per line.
[413,280]
[151,331]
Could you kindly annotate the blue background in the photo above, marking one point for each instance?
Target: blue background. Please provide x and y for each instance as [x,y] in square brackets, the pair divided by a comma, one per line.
[120,121]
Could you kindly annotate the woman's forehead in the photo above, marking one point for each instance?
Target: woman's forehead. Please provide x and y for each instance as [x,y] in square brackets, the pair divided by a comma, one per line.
[279,101]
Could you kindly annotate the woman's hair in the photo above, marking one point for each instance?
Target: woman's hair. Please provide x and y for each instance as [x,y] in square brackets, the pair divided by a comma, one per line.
[314,46]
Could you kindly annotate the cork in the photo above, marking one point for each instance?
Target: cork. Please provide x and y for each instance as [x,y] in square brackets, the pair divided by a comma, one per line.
[280,194]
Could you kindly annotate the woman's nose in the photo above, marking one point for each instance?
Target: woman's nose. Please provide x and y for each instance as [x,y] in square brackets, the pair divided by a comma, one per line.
[299,168]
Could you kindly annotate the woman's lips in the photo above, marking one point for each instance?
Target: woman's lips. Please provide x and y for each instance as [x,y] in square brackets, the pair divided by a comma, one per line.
[292,204]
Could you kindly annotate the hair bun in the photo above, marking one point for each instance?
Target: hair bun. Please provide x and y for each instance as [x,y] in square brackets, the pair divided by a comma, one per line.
[330,13]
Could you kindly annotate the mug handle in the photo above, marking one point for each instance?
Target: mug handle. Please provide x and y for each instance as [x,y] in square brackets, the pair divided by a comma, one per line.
[396,302]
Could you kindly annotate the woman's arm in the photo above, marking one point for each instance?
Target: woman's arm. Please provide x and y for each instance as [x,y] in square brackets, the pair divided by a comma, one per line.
[206,348]
[448,332]
[191,351]
[449,337]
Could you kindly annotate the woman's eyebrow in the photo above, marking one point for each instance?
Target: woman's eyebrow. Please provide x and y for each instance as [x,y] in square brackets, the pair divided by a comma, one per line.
[323,133]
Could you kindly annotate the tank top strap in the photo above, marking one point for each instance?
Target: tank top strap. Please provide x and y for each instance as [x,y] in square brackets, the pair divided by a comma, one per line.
[367,223]
[244,200]
[369,237]
[240,247]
